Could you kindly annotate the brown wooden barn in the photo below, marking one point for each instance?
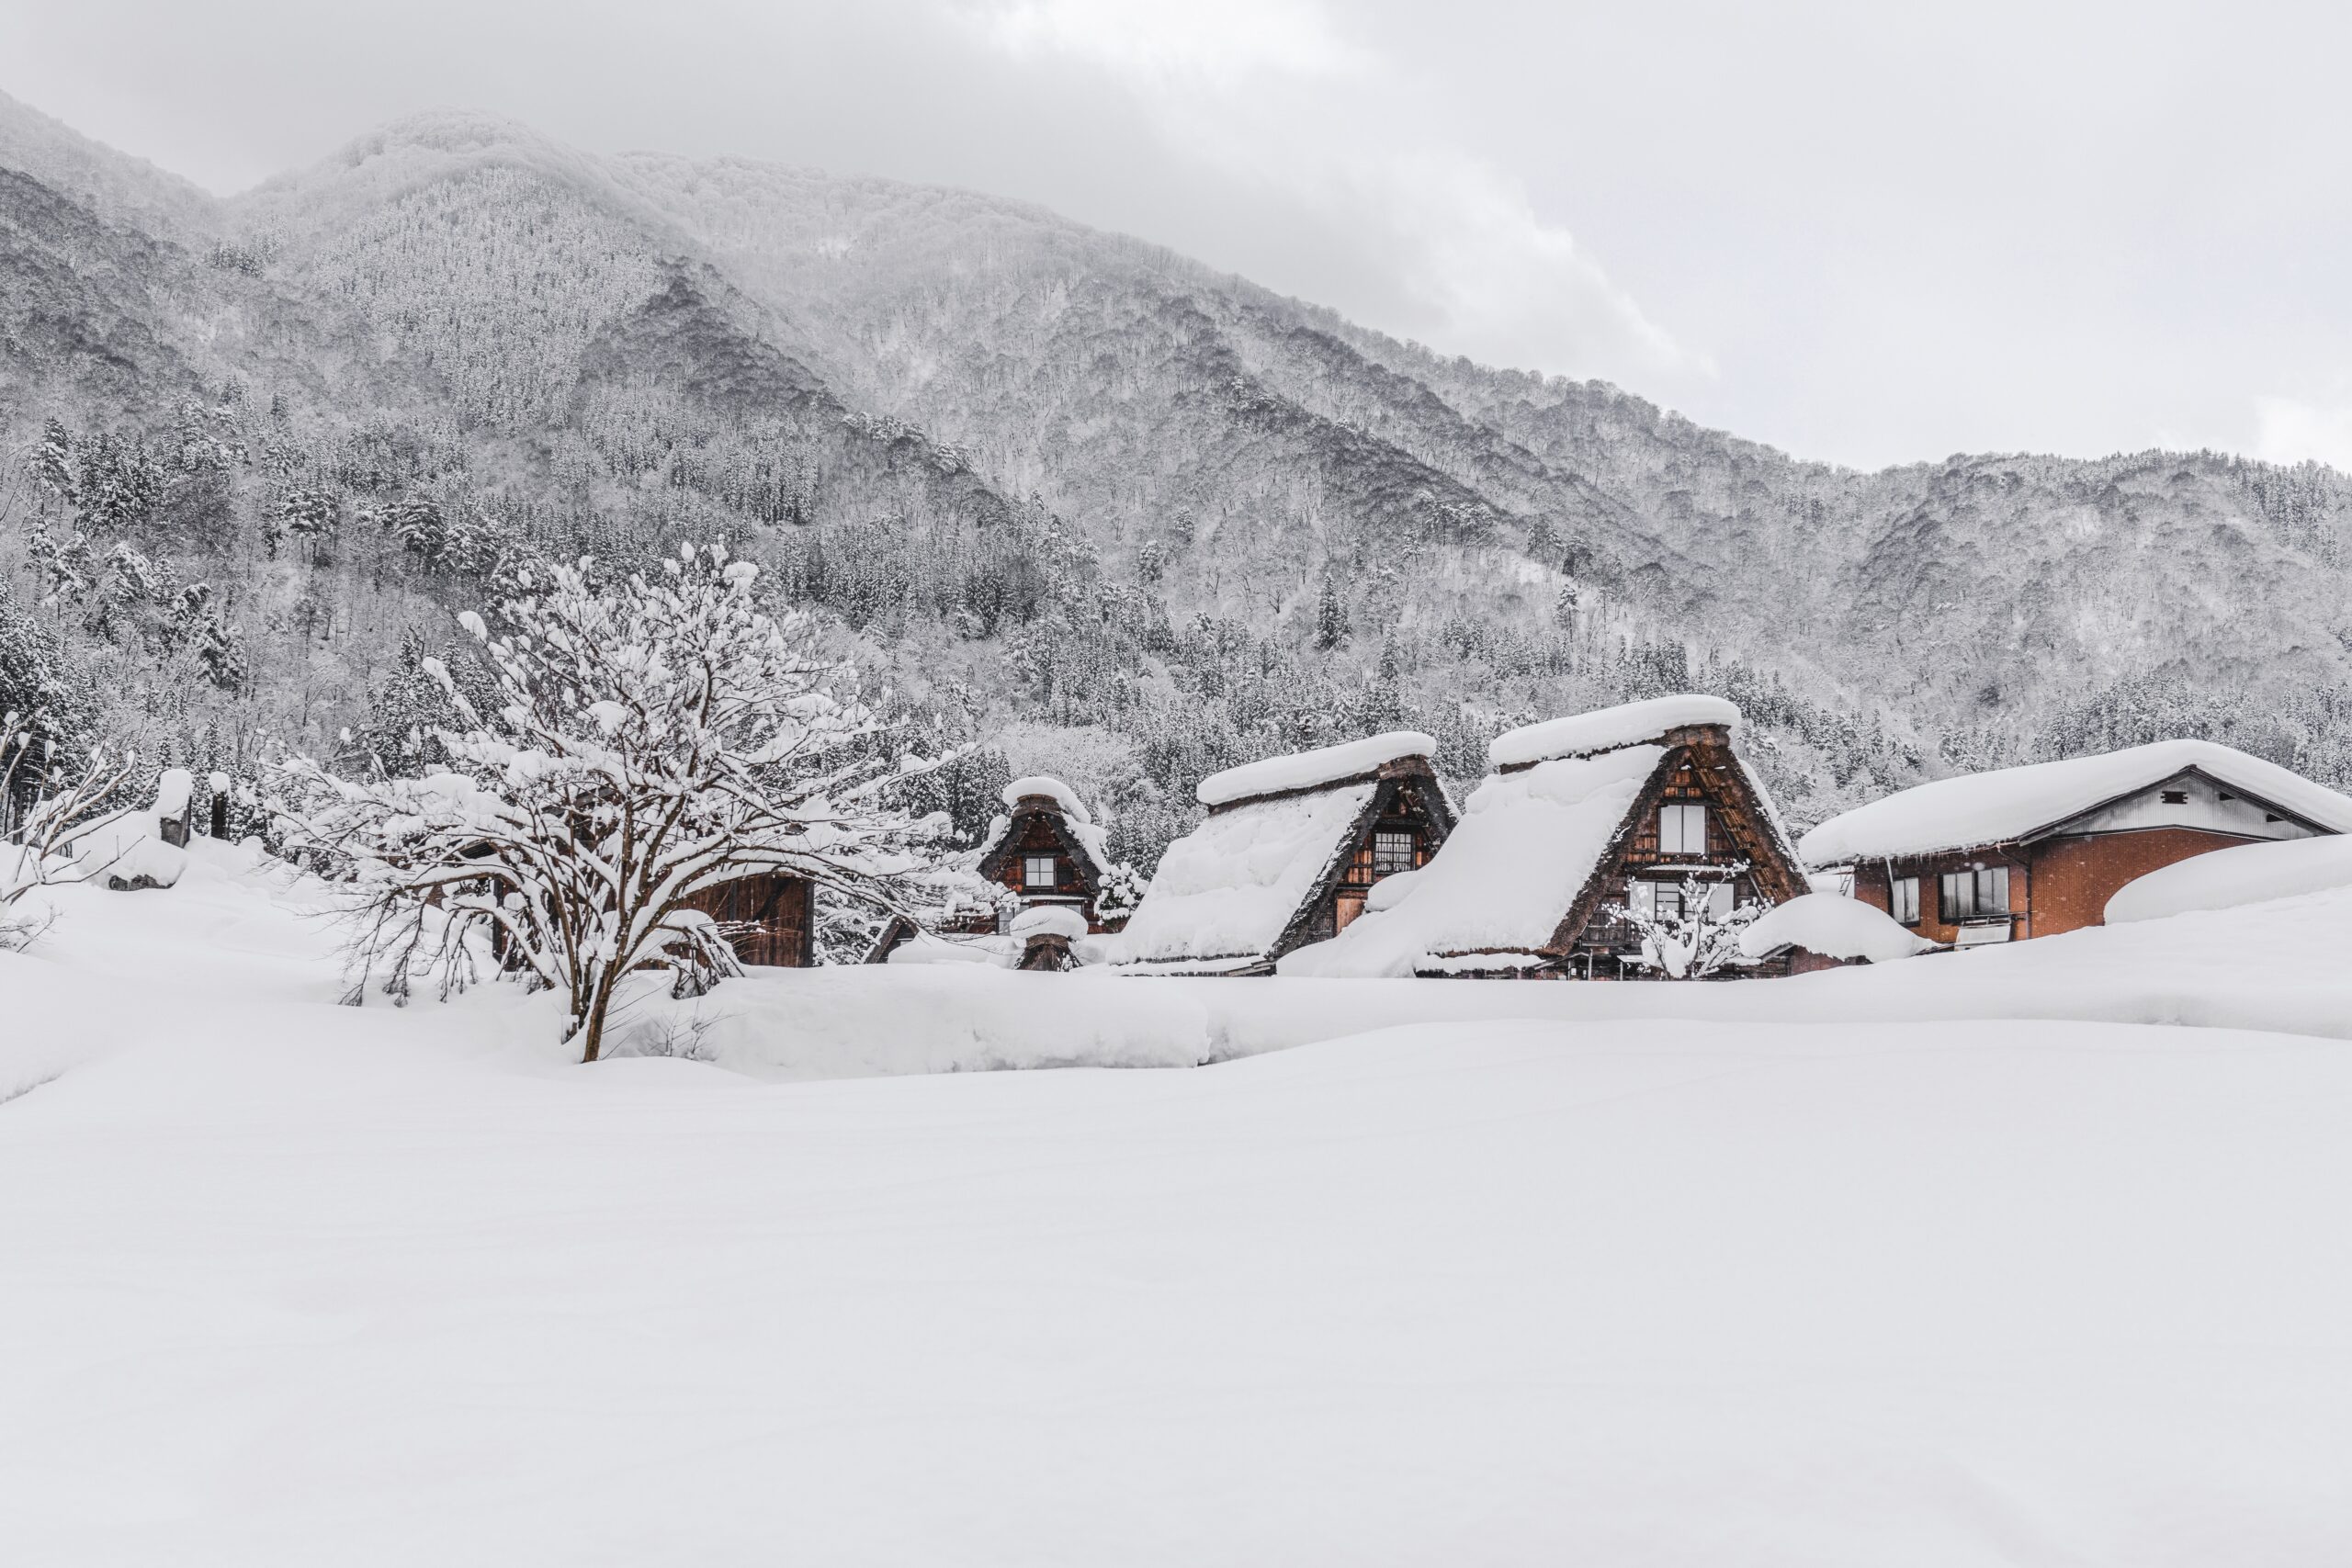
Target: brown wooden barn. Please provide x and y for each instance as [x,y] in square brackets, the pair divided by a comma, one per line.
[1291,850]
[1638,806]
[2035,851]
[777,912]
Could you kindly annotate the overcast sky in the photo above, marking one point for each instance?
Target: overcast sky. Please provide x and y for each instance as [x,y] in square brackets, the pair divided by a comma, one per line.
[1861,234]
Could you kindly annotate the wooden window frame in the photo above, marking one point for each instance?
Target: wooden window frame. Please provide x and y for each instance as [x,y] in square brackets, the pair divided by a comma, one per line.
[1677,812]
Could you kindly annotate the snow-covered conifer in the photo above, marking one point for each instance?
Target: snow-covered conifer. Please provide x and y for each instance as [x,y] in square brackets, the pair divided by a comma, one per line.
[1330,618]
[657,737]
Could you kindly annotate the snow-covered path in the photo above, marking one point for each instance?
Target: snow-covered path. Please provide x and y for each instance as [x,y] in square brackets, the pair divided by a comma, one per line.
[282,1282]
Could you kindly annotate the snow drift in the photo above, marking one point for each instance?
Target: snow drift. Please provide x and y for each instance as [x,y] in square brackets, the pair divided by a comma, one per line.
[2224,879]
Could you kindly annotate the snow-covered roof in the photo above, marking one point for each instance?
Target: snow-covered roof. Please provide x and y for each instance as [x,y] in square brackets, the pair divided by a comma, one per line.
[1081,822]
[1048,920]
[2224,879]
[1834,926]
[1060,794]
[1230,887]
[1304,770]
[1526,845]
[1605,730]
[2013,803]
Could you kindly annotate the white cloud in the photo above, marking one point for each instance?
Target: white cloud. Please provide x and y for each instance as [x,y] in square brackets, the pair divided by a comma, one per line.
[2290,431]
[1216,42]
[1272,95]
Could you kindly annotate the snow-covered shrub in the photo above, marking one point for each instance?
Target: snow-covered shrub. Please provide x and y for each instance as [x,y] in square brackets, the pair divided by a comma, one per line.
[1121,894]
[657,737]
[45,811]
[1695,939]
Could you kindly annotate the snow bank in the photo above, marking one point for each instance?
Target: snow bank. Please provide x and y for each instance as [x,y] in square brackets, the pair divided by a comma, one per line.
[2250,874]
[1990,808]
[1524,848]
[1605,730]
[1048,920]
[1306,769]
[1230,886]
[923,947]
[856,1021]
[317,1286]
[1060,794]
[1835,926]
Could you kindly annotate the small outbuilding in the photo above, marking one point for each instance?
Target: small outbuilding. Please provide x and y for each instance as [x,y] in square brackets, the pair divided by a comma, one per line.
[1585,820]
[771,916]
[1047,849]
[2035,851]
[1292,849]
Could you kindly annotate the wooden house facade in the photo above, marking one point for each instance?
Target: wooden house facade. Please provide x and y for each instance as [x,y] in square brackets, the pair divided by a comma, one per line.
[1584,820]
[2038,851]
[1290,854]
[1047,853]
[771,916]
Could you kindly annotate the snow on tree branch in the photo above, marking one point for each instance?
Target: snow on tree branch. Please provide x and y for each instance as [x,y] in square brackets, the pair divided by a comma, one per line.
[44,813]
[1691,932]
[655,738]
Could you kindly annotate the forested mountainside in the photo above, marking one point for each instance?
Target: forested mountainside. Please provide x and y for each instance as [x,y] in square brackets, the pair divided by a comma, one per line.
[1111,512]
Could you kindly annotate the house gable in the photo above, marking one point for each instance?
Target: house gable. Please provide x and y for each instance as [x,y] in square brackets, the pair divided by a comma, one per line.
[1037,827]
[2192,798]
[1408,798]
[1264,874]
[1699,768]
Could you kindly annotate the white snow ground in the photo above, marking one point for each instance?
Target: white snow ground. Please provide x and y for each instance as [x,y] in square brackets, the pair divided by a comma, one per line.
[1900,1275]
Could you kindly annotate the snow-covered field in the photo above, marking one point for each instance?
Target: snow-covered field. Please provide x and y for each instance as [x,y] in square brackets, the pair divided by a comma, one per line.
[1966,1259]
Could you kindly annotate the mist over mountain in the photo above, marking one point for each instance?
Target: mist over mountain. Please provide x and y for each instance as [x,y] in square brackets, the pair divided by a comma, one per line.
[1065,493]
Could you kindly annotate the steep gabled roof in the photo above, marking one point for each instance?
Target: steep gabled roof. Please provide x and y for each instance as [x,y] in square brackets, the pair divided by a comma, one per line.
[1522,871]
[1040,798]
[1242,887]
[2016,804]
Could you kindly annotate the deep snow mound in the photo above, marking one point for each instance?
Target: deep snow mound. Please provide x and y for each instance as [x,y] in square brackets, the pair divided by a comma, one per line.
[2250,874]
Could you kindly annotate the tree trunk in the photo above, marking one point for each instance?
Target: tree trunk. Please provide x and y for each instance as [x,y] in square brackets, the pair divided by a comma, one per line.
[595,1028]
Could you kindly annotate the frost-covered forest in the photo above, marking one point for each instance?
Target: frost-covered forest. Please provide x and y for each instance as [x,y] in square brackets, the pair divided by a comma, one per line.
[1091,505]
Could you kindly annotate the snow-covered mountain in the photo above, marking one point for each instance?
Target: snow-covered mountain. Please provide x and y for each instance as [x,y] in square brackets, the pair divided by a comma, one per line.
[1131,519]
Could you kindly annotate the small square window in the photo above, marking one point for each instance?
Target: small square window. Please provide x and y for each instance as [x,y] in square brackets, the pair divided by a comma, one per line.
[2175,797]
[1037,874]
[1682,828]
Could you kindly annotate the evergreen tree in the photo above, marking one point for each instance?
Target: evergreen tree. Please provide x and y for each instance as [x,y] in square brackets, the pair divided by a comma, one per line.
[1330,618]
